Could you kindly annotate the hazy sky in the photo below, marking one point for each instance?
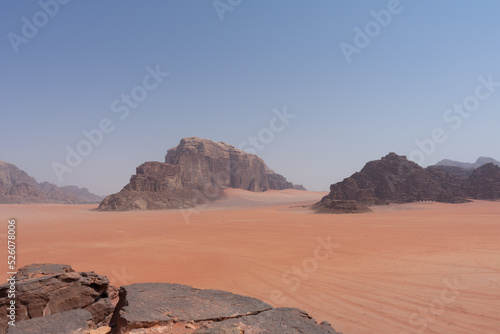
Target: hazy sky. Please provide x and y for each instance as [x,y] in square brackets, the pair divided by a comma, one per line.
[362,79]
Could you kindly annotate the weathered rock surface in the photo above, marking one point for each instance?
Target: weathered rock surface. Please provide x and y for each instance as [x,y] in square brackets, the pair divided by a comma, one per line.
[17,187]
[52,298]
[394,179]
[44,289]
[459,171]
[149,304]
[328,205]
[484,182]
[275,321]
[42,269]
[75,322]
[194,172]
[176,308]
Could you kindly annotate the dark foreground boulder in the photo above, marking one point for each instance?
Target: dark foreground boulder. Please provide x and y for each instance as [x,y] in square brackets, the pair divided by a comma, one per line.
[44,289]
[275,321]
[175,308]
[75,322]
[52,298]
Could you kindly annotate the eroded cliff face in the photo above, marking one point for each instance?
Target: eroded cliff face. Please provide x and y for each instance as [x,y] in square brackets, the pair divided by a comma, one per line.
[203,161]
[195,172]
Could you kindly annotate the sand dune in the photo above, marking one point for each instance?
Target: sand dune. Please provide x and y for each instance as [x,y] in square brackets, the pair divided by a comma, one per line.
[413,268]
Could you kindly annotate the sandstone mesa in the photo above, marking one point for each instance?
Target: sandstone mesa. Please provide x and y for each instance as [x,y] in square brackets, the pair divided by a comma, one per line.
[194,172]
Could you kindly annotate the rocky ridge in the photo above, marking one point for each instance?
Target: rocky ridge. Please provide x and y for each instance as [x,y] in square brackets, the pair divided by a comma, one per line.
[55,299]
[484,183]
[194,172]
[395,179]
[17,187]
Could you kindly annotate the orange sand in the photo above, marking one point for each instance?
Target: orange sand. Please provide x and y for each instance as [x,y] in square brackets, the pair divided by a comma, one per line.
[390,271]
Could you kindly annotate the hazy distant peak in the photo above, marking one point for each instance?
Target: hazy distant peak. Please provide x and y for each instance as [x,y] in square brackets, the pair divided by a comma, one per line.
[16,186]
[485,160]
[468,165]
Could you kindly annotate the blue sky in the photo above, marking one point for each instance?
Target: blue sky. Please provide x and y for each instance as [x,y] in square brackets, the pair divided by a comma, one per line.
[227,76]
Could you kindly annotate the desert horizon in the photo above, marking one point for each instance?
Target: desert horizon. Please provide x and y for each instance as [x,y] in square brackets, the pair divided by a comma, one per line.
[250,167]
[393,269]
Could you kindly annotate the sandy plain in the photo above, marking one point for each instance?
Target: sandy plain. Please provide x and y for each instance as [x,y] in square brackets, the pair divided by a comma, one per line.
[412,268]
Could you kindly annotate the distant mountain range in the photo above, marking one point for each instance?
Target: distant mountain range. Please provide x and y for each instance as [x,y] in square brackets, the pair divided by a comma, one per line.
[395,179]
[17,187]
[197,170]
[468,165]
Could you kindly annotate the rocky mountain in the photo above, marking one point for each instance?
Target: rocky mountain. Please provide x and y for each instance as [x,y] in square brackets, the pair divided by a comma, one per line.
[459,171]
[394,179]
[194,172]
[484,182]
[53,298]
[17,187]
[467,165]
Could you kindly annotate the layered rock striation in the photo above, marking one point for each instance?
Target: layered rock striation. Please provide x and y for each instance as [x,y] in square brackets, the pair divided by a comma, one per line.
[194,172]
[44,289]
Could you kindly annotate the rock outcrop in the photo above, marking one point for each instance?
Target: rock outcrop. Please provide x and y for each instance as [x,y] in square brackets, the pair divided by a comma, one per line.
[75,322]
[328,205]
[175,308]
[17,187]
[394,179]
[52,298]
[43,289]
[194,172]
[275,321]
